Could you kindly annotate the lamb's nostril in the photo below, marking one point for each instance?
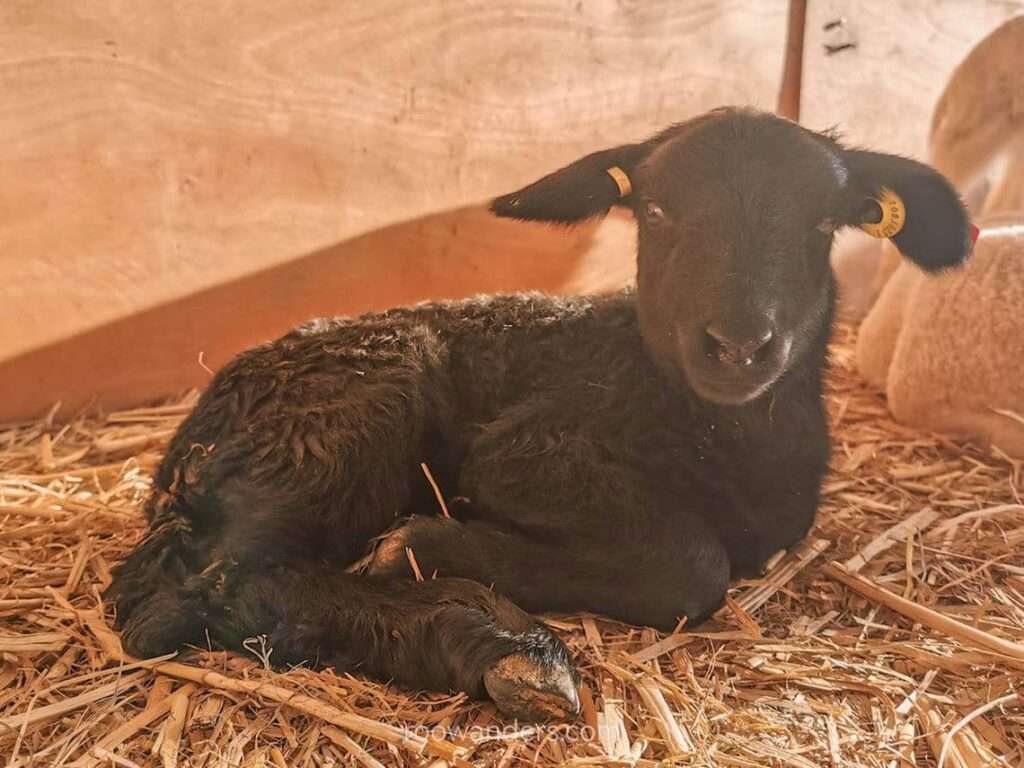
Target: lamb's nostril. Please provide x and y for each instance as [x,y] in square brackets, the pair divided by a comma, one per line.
[737,349]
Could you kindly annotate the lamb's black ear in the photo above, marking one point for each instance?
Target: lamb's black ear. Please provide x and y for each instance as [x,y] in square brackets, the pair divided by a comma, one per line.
[911,204]
[582,190]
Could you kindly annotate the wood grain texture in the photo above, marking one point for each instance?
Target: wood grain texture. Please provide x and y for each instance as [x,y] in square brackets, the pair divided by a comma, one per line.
[174,346]
[881,92]
[152,149]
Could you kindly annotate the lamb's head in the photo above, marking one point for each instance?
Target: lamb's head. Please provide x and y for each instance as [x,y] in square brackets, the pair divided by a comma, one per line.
[736,212]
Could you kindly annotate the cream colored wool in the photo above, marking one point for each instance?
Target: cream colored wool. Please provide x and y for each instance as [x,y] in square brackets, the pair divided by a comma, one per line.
[949,349]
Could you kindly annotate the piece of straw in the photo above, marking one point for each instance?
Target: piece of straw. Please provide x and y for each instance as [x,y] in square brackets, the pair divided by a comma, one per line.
[927,616]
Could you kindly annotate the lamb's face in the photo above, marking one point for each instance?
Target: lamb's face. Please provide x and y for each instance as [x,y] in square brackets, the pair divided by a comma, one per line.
[736,211]
[735,227]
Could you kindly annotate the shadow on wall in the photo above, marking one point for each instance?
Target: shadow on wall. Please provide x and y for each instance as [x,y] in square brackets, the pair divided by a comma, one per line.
[448,255]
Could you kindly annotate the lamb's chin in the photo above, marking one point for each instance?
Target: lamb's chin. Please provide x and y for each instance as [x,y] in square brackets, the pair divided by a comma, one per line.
[733,395]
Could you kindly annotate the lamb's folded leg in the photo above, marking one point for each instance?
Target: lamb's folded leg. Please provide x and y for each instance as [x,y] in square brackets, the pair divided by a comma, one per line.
[656,589]
[443,634]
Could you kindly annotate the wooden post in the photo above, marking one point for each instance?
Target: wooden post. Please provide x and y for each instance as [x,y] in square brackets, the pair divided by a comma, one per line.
[792,68]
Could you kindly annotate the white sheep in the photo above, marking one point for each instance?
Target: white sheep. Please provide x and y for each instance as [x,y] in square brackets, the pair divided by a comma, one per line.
[949,350]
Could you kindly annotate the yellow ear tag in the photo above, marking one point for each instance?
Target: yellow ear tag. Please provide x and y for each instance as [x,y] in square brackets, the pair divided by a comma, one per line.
[621,180]
[894,215]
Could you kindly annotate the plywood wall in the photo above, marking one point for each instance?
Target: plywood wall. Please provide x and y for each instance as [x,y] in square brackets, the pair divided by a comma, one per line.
[880,90]
[189,178]
[153,149]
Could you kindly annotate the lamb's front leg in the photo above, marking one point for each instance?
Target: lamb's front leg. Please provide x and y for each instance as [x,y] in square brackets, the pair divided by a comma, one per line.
[751,546]
[764,498]
[755,525]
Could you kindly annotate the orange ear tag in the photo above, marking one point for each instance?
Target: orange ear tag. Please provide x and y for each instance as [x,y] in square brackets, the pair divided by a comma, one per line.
[621,180]
[892,212]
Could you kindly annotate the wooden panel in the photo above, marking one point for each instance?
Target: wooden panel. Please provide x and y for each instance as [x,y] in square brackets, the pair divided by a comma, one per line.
[881,92]
[175,345]
[153,149]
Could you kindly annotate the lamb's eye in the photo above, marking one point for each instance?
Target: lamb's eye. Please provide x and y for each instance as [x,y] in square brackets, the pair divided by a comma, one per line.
[653,212]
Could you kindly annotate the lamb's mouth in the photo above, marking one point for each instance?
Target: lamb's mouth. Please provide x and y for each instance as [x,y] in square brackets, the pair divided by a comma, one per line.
[737,384]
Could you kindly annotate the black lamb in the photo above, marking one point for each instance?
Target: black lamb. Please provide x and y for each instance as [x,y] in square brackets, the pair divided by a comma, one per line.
[626,455]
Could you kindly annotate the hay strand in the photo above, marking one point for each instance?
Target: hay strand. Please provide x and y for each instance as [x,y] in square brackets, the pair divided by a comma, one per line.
[930,618]
[316,708]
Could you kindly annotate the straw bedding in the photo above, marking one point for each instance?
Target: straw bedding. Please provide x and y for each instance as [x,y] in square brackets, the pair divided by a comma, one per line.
[876,644]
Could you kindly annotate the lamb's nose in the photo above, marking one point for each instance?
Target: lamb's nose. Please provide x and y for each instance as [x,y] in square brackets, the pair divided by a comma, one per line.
[737,348]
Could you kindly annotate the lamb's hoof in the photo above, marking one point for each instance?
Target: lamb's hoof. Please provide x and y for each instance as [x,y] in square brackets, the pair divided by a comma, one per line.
[164,624]
[525,689]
